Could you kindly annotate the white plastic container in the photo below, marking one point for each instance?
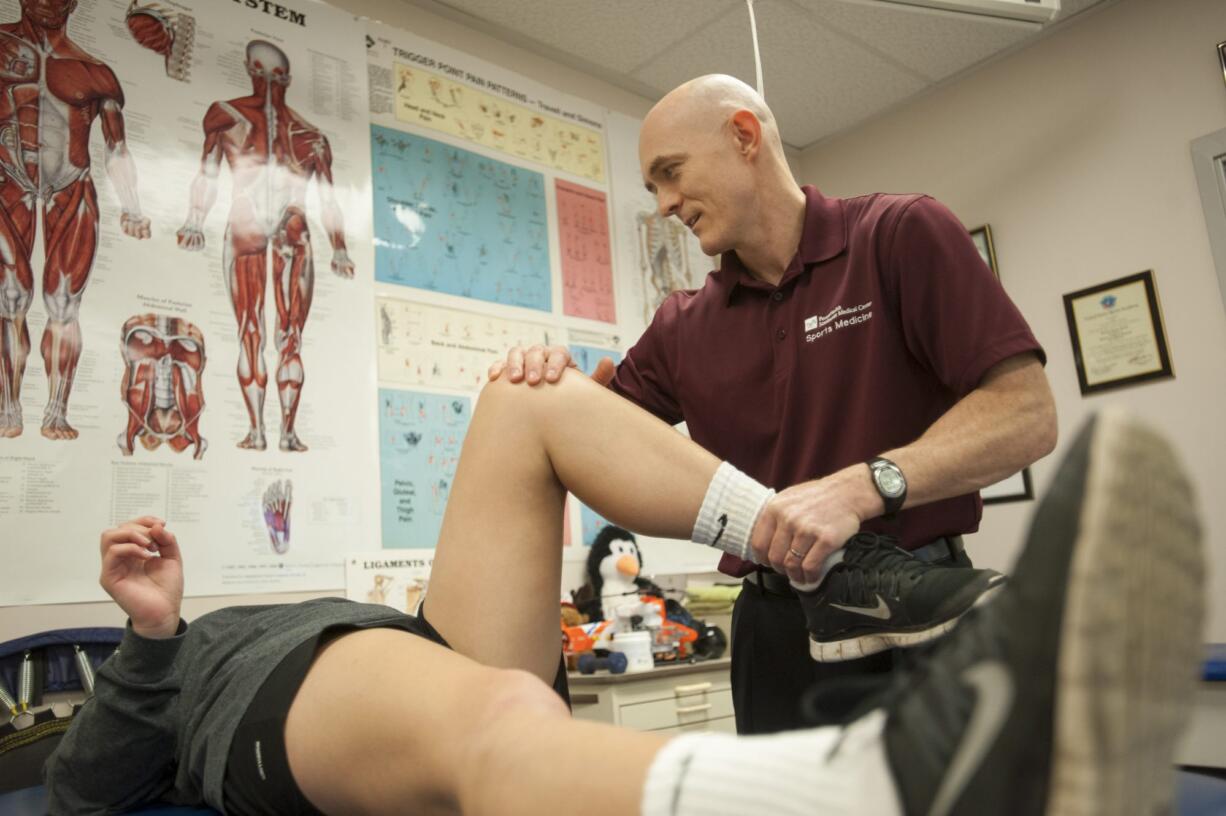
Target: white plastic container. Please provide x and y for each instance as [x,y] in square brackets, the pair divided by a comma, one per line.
[636,646]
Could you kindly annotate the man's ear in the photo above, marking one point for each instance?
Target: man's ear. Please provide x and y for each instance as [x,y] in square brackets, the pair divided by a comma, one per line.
[746,133]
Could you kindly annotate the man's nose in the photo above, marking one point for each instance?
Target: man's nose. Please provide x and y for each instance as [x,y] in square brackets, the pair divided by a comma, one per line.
[668,203]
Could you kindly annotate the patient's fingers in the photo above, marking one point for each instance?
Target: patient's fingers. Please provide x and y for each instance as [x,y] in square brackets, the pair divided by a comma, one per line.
[145,521]
[129,533]
[166,543]
[118,553]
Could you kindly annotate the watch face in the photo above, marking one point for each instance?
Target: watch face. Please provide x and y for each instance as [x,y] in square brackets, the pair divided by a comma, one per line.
[890,481]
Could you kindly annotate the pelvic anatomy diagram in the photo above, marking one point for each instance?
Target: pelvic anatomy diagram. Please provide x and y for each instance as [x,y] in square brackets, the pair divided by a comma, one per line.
[51,91]
[164,359]
[164,32]
[273,153]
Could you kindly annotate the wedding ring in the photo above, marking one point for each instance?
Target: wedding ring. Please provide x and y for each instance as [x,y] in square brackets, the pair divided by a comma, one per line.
[800,556]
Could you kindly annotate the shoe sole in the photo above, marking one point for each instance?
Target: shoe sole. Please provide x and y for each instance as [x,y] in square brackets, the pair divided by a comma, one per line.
[838,651]
[1123,692]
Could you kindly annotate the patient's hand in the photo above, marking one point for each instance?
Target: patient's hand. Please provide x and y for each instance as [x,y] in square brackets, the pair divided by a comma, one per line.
[142,570]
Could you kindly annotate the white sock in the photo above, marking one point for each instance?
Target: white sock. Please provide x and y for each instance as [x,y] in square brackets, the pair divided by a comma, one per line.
[832,771]
[729,511]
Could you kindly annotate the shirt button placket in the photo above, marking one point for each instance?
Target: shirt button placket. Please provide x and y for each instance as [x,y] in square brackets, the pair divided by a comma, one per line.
[776,298]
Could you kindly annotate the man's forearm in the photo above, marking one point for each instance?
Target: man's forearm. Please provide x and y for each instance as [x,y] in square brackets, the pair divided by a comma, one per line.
[1004,425]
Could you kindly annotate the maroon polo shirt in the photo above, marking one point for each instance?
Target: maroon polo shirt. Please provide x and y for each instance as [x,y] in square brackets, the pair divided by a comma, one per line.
[884,319]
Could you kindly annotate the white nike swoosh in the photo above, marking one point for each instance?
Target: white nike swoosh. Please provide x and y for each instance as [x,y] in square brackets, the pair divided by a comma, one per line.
[993,699]
[881,611]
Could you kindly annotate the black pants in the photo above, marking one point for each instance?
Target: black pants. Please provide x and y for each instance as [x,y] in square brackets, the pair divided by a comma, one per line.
[771,667]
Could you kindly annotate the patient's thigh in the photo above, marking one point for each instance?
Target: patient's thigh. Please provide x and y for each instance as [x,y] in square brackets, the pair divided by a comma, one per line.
[384,720]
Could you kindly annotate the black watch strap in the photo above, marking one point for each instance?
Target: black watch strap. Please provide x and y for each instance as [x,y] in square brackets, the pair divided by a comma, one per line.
[890,483]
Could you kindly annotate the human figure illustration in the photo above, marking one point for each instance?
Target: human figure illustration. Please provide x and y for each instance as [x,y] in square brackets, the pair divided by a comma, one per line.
[273,154]
[51,91]
[662,249]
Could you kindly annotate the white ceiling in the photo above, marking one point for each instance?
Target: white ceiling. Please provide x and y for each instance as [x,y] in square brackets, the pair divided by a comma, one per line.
[828,65]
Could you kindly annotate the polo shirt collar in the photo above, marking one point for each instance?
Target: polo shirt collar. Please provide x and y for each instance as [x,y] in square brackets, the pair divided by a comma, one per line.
[824,237]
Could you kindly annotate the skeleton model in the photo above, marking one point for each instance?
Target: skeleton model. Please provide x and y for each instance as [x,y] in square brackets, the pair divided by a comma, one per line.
[161,383]
[662,249]
[164,32]
[277,501]
[50,93]
[273,153]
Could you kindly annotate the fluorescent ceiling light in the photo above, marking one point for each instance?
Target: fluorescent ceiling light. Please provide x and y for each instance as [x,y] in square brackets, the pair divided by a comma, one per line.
[1033,11]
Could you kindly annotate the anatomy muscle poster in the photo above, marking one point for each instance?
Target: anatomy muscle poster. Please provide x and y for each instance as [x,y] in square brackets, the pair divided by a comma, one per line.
[185,190]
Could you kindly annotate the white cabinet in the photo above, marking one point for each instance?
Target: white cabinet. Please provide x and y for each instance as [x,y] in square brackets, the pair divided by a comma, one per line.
[671,699]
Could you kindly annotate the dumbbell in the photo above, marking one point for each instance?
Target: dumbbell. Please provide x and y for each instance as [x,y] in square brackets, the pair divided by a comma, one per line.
[589,663]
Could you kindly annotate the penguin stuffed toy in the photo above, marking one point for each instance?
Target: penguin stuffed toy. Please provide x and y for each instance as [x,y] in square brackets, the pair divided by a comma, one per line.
[613,566]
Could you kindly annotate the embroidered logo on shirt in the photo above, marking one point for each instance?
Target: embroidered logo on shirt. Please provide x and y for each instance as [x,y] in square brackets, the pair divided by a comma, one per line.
[840,317]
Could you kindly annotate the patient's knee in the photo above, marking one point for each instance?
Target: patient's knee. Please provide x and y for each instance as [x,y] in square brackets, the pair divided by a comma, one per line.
[515,702]
[503,392]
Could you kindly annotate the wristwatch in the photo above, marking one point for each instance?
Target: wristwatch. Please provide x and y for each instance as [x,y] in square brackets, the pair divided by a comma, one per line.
[890,483]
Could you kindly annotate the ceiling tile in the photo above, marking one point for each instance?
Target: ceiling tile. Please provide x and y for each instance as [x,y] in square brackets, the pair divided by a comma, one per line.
[935,44]
[817,82]
[618,36]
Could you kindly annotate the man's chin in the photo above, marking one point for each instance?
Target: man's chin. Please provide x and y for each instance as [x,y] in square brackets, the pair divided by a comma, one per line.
[712,246]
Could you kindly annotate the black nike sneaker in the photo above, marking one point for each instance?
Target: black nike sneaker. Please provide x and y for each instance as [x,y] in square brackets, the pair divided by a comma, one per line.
[1066,694]
[880,597]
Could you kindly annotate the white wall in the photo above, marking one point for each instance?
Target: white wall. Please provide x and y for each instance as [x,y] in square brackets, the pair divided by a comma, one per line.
[1076,151]
[17,621]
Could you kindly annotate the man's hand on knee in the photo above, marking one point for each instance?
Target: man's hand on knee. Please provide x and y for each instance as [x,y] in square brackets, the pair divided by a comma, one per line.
[533,364]
[142,569]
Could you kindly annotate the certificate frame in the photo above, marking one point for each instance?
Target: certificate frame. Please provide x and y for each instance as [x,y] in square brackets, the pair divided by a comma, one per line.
[1221,57]
[981,237]
[1105,294]
[1209,164]
[1017,487]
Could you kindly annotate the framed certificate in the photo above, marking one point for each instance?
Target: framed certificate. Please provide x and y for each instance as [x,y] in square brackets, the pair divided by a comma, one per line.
[981,237]
[1117,333]
[1017,487]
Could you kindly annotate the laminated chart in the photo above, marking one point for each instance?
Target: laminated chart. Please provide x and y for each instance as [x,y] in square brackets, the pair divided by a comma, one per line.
[445,348]
[425,98]
[200,171]
[420,436]
[586,357]
[587,267]
[453,221]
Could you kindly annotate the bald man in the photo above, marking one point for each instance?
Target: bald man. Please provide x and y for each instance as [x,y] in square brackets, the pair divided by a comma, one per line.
[855,354]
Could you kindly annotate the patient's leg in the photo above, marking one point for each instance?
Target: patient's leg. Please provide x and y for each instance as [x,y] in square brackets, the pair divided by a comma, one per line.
[388,722]
[497,573]
[426,730]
